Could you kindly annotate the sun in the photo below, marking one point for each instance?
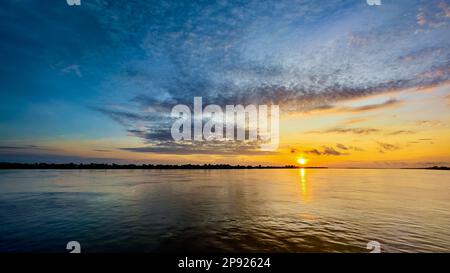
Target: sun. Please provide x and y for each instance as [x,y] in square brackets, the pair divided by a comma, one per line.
[302,161]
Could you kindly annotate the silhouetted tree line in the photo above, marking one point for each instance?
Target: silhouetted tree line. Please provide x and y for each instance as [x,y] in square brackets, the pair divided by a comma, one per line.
[438,168]
[5,165]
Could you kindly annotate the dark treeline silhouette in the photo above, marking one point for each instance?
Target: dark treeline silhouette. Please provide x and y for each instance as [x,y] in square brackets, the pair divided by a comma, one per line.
[437,168]
[5,165]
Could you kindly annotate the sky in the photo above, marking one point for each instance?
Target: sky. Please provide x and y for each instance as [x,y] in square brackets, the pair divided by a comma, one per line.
[357,85]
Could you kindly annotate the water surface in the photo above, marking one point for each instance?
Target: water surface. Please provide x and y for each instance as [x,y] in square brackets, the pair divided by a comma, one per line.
[277,210]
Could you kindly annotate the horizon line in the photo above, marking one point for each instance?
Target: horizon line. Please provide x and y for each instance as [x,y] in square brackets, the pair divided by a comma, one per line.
[42,165]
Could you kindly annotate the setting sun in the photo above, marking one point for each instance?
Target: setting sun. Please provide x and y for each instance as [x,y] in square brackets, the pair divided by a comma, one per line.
[301,161]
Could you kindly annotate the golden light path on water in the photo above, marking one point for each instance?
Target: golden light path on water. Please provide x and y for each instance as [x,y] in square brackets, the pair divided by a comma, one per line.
[304,187]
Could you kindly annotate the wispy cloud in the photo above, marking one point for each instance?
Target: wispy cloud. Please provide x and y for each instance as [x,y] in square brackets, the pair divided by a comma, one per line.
[401,132]
[387,147]
[344,147]
[428,123]
[54,158]
[330,151]
[359,131]
[328,108]
[354,120]
[313,151]
[75,69]
[434,15]
[25,147]
[386,104]
[347,130]
[210,147]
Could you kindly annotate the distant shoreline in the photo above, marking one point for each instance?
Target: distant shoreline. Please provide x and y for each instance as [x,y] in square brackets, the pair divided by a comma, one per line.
[442,168]
[93,166]
[96,166]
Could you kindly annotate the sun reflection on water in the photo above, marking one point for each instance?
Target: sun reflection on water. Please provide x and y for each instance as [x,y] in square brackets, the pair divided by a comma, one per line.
[305,195]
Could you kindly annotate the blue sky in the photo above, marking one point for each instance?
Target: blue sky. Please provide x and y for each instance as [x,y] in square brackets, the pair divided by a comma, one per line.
[113,69]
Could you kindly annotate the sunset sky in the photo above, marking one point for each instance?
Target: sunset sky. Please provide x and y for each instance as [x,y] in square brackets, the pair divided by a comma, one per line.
[357,85]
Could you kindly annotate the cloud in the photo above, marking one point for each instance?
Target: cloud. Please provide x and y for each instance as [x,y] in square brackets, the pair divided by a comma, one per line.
[248,50]
[434,163]
[354,120]
[257,53]
[428,123]
[17,147]
[335,109]
[313,151]
[153,127]
[75,69]
[121,116]
[434,15]
[152,135]
[331,151]
[386,104]
[206,147]
[25,147]
[53,158]
[387,147]
[344,147]
[401,132]
[345,130]
[327,151]
[430,140]
[149,126]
